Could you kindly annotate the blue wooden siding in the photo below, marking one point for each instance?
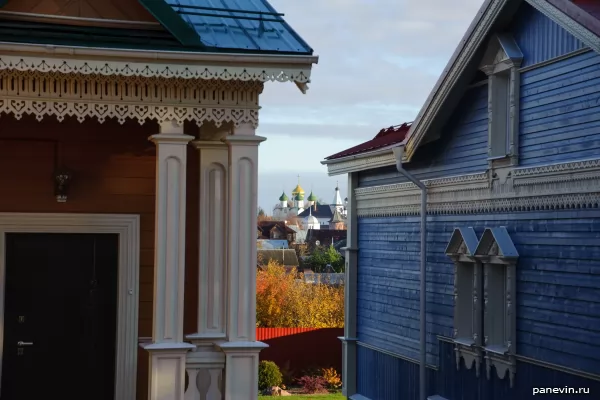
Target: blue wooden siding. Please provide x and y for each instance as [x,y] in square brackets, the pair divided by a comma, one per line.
[560,112]
[558,286]
[384,377]
[462,149]
[540,38]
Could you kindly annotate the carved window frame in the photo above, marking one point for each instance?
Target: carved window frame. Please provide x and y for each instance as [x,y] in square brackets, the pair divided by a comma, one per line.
[499,258]
[468,324]
[501,63]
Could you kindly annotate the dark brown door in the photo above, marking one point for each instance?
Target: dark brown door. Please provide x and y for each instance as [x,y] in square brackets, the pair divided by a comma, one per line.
[59,316]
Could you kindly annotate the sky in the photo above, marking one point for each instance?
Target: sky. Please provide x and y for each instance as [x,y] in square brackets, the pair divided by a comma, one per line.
[378,61]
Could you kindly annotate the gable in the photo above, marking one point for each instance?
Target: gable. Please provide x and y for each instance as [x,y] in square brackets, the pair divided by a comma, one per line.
[119,10]
[540,38]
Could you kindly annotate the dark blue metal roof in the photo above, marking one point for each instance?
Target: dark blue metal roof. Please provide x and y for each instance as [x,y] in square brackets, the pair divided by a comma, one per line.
[246,25]
[460,236]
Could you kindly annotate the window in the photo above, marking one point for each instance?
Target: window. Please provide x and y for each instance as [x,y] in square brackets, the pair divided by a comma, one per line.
[484,299]
[501,62]
[467,297]
[499,256]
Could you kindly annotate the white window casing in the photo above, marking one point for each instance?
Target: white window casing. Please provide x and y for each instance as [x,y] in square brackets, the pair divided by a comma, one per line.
[501,63]
[498,255]
[468,322]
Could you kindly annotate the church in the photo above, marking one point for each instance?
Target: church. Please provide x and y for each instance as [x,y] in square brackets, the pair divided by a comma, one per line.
[310,211]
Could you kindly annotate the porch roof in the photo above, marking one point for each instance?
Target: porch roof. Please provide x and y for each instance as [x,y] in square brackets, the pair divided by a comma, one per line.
[232,26]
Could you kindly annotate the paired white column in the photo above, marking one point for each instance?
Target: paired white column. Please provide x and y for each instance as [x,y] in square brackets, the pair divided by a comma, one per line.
[349,339]
[241,348]
[205,364]
[167,350]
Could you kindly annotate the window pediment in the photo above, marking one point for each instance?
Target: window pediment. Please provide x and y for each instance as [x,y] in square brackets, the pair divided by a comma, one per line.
[502,53]
[496,246]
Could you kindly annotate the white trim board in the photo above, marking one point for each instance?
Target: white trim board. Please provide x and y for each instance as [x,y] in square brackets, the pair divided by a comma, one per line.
[128,229]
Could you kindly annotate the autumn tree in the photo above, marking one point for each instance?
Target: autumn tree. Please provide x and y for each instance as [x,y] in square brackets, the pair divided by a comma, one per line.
[284,301]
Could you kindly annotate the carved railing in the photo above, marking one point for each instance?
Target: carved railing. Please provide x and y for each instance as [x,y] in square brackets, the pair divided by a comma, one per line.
[205,371]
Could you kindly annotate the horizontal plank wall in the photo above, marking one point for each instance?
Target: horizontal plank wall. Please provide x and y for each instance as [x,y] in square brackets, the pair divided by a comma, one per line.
[560,113]
[462,149]
[540,38]
[113,170]
[558,286]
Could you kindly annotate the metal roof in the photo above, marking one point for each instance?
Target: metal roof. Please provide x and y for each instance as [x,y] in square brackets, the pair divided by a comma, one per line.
[247,25]
[385,137]
[460,236]
[501,238]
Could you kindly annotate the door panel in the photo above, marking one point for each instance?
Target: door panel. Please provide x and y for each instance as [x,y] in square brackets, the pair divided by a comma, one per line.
[60,316]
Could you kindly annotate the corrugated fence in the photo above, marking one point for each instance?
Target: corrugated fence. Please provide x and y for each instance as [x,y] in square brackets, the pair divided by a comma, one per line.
[297,351]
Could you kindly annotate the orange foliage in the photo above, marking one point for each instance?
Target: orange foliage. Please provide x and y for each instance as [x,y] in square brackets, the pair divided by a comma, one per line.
[283,301]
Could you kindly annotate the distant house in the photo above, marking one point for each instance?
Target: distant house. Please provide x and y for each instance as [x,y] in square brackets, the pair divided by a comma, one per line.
[277,230]
[266,244]
[324,237]
[285,257]
[507,148]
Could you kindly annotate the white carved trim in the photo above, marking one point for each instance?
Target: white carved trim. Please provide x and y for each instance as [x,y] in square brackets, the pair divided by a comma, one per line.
[360,163]
[188,70]
[566,185]
[128,229]
[566,22]
[100,97]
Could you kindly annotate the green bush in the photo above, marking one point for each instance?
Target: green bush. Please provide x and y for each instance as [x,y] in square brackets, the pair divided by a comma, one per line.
[268,375]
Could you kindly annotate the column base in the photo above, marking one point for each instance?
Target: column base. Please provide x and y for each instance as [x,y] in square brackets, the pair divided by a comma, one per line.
[241,369]
[348,365]
[167,370]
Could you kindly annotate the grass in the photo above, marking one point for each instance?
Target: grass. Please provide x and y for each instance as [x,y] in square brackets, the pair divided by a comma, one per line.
[335,396]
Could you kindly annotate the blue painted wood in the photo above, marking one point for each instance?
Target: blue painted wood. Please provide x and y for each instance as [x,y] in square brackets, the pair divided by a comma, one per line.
[558,283]
[462,148]
[384,377]
[560,112]
[540,38]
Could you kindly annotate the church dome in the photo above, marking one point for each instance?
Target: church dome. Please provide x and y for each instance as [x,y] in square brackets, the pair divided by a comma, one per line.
[311,221]
[298,190]
[312,197]
[299,196]
[283,197]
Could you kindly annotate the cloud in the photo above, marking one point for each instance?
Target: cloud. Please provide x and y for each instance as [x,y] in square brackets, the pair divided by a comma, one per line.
[378,62]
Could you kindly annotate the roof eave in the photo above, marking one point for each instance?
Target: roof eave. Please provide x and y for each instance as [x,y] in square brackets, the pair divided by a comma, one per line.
[383,157]
[295,68]
[172,22]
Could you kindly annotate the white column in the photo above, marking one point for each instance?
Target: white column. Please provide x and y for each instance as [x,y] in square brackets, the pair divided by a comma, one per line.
[205,364]
[167,350]
[241,348]
[349,339]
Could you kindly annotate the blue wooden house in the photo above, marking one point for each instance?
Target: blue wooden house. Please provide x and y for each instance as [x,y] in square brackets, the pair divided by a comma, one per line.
[507,150]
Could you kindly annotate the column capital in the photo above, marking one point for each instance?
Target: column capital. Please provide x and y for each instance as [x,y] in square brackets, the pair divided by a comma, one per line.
[209,144]
[170,138]
[244,140]
[242,347]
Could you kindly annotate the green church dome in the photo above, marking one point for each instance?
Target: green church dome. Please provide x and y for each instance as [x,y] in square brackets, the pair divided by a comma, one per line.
[283,197]
[312,197]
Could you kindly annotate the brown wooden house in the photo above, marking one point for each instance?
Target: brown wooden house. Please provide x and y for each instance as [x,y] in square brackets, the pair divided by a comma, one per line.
[127,266]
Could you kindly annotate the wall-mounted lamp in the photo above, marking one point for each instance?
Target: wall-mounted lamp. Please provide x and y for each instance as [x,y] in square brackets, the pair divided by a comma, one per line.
[62,180]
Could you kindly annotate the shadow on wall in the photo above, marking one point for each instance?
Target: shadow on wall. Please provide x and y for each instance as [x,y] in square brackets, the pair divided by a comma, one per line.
[298,351]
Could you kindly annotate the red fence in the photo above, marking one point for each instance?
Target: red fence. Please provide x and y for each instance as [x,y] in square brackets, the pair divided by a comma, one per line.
[299,350]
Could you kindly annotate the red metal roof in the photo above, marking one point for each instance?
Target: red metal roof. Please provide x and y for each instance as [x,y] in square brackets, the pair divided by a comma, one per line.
[385,137]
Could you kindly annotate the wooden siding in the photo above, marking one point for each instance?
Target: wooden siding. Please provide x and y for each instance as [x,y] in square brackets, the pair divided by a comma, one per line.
[558,286]
[540,38]
[384,377]
[113,172]
[462,148]
[560,113]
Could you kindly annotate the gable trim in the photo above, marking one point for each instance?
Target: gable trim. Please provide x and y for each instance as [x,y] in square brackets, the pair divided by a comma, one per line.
[463,55]
[472,40]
